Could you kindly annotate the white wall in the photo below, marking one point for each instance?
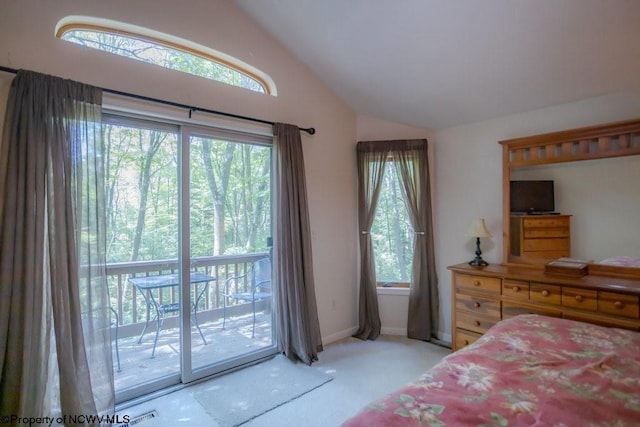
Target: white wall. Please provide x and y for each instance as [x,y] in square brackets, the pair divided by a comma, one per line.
[393,305]
[27,41]
[468,170]
[374,129]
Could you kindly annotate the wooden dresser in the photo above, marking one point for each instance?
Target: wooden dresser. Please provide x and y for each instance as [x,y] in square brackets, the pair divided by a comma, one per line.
[540,236]
[481,297]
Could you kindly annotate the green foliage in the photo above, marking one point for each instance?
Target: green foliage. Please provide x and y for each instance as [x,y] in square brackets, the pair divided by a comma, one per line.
[164,56]
[142,199]
[142,177]
[392,232]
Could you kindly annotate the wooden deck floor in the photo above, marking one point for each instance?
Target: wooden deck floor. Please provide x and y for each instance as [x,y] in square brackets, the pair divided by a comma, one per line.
[137,365]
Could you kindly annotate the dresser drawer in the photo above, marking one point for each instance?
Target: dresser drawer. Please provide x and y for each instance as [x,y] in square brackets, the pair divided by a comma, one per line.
[510,310]
[545,255]
[580,298]
[618,304]
[603,320]
[464,338]
[545,244]
[478,305]
[474,322]
[545,294]
[515,289]
[546,222]
[487,285]
[546,232]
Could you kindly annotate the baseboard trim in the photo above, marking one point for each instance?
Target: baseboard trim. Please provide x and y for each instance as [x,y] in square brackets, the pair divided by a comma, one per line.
[393,331]
[339,335]
[446,337]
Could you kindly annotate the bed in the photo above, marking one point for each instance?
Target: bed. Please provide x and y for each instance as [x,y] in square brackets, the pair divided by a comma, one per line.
[529,370]
[622,261]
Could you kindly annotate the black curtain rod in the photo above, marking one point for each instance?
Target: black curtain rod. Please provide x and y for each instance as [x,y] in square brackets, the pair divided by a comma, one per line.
[191,108]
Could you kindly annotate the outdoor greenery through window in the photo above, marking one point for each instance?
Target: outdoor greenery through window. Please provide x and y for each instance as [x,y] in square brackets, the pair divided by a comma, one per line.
[164,54]
[392,233]
[142,191]
[230,197]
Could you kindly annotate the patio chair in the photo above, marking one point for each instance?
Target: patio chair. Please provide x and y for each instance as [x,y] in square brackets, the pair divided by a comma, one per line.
[259,276]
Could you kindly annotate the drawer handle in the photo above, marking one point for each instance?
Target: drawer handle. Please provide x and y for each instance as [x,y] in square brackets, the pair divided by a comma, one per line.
[619,304]
[466,342]
[476,304]
[545,293]
[476,322]
[476,283]
[579,298]
[516,289]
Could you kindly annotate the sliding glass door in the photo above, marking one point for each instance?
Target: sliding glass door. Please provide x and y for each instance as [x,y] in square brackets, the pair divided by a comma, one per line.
[229,227]
[189,226]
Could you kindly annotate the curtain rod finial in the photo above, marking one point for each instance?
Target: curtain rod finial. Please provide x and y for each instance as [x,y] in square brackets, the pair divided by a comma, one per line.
[310,131]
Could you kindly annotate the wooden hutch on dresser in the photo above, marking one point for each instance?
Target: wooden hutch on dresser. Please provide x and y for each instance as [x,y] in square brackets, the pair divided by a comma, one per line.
[605,295]
[540,236]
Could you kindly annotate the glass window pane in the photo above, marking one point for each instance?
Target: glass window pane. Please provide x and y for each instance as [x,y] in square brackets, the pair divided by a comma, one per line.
[141,179]
[162,55]
[392,233]
[230,229]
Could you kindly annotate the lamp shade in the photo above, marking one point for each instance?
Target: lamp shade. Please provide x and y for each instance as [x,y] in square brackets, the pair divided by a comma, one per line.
[478,229]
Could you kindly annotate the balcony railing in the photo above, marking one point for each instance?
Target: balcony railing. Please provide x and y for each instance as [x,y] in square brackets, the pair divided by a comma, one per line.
[130,305]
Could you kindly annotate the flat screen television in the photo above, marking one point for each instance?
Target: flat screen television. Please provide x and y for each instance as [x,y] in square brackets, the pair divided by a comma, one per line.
[532,197]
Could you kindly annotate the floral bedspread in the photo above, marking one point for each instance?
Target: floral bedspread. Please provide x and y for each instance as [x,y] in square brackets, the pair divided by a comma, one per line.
[622,261]
[529,370]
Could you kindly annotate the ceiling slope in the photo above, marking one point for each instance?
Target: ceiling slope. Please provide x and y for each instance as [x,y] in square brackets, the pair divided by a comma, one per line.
[440,63]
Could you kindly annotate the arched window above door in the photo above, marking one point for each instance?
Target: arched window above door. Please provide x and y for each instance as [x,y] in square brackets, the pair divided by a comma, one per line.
[164,50]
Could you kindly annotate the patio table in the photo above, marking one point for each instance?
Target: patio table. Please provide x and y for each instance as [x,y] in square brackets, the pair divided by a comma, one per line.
[147,284]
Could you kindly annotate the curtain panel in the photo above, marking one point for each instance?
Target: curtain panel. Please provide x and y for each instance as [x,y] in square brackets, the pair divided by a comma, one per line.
[410,158]
[371,167]
[298,327]
[55,342]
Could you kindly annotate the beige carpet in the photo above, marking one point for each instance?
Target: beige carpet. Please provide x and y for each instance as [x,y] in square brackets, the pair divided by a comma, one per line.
[361,371]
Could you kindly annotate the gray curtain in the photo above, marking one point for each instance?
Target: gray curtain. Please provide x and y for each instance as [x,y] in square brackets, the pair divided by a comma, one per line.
[371,166]
[298,327]
[412,167]
[55,344]
[411,162]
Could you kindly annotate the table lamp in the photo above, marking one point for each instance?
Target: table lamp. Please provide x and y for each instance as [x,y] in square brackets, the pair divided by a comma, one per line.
[478,230]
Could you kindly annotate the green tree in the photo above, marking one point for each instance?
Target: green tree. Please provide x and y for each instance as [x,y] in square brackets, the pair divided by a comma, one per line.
[218,169]
[392,233]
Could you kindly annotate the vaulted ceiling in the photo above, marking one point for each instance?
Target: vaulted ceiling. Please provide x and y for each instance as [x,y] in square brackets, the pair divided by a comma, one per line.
[440,63]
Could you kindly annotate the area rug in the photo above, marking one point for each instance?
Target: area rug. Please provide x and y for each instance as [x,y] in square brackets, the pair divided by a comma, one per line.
[238,397]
